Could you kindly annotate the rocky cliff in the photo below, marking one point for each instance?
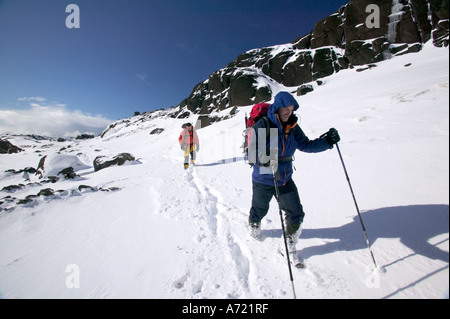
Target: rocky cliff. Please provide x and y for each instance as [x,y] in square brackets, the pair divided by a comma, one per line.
[360,33]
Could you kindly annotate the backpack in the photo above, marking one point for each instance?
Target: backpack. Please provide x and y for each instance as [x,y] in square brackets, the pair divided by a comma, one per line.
[186,132]
[259,111]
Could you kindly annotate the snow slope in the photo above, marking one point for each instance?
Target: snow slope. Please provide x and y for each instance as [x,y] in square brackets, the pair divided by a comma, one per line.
[170,233]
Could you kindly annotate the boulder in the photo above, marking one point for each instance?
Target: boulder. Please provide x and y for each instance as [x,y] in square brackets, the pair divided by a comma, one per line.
[101,162]
[304,89]
[53,165]
[86,188]
[157,131]
[46,192]
[85,137]
[12,188]
[7,148]
[68,173]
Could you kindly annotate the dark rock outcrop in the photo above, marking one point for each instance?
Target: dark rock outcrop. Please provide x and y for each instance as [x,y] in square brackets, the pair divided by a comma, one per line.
[12,188]
[348,38]
[342,40]
[7,148]
[46,192]
[157,131]
[85,137]
[101,162]
[68,173]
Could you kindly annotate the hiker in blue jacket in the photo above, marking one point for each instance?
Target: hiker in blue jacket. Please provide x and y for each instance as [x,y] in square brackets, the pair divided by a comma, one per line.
[290,138]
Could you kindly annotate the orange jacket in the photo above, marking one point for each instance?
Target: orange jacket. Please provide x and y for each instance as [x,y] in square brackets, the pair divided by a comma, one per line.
[188,137]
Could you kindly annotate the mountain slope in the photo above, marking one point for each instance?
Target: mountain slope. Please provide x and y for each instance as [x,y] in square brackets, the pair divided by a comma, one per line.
[150,229]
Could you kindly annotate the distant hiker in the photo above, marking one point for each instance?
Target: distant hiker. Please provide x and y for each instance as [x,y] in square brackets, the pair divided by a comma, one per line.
[189,143]
[290,138]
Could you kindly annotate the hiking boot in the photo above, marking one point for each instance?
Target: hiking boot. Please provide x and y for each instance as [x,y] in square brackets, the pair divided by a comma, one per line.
[186,165]
[255,229]
[293,231]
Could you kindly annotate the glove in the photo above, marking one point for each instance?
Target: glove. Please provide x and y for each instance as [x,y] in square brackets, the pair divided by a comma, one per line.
[332,136]
[183,147]
[197,148]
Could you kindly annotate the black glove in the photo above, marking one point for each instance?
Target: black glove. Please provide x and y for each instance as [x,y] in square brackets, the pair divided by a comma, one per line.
[332,136]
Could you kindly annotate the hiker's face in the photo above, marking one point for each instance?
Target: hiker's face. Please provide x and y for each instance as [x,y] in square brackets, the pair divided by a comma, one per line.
[285,113]
[189,128]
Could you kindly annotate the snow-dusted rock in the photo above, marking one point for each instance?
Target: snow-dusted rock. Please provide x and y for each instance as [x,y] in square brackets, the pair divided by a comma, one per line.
[101,162]
[52,165]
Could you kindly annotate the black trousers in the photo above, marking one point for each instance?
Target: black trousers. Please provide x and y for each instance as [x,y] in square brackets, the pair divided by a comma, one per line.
[289,198]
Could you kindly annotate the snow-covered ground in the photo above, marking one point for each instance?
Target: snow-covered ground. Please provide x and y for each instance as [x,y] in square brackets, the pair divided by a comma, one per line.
[170,233]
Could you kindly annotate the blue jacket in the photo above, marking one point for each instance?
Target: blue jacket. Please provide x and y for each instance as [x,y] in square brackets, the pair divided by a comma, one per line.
[290,139]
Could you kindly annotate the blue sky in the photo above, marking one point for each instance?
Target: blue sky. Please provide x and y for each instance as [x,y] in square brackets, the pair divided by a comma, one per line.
[129,55]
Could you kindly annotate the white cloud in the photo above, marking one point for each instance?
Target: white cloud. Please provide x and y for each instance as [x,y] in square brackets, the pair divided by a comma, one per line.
[49,119]
[33,98]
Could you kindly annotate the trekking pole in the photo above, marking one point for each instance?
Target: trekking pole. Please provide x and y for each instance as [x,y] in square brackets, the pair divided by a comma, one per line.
[277,196]
[356,205]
